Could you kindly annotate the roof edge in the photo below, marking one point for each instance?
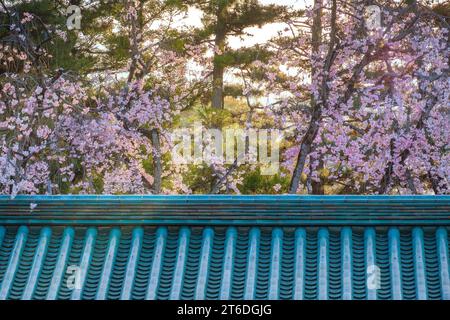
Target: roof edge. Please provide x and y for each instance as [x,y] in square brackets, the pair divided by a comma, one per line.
[193,197]
[289,210]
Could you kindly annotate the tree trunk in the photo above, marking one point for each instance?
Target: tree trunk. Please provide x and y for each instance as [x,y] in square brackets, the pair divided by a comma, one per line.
[157,166]
[305,147]
[410,181]
[318,187]
[386,179]
[217,99]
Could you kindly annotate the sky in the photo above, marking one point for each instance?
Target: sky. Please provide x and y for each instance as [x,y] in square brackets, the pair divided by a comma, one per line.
[257,35]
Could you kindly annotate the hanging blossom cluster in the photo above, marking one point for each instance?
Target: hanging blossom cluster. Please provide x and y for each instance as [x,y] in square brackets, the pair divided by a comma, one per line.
[30,143]
[54,133]
[138,113]
[124,179]
[141,107]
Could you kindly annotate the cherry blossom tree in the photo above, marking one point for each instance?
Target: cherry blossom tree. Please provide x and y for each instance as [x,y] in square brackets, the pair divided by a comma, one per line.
[369,106]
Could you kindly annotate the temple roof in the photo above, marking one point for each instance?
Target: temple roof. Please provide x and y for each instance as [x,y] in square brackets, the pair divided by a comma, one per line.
[224,247]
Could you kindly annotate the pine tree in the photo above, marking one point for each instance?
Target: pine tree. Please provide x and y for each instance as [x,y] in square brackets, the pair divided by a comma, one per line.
[225,18]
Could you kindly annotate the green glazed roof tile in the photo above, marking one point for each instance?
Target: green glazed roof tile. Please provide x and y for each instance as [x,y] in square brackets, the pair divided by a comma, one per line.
[224,247]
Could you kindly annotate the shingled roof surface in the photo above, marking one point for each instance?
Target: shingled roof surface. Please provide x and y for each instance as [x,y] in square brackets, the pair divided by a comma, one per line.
[224,247]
